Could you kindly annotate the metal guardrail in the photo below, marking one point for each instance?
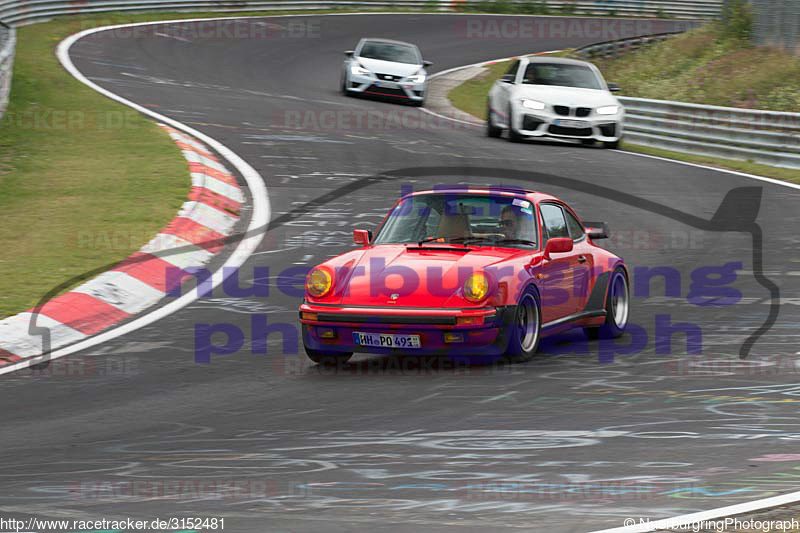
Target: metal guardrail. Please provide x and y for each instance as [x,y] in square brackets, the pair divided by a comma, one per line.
[8,39]
[622,46]
[19,12]
[768,137]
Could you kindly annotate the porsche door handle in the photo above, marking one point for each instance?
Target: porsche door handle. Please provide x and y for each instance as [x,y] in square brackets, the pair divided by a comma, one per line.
[581,259]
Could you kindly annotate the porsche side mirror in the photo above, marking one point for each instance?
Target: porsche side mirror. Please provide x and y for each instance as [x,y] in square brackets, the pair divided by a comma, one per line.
[559,245]
[597,230]
[613,87]
[362,236]
[349,53]
[508,78]
[427,63]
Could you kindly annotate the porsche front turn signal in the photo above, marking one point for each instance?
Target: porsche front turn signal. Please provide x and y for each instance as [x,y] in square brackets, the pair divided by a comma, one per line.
[319,282]
[476,287]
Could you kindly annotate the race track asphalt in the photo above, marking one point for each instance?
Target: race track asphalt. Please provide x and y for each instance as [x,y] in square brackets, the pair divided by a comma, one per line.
[562,443]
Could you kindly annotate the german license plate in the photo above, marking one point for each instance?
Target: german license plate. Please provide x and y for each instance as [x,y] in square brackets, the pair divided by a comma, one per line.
[386,340]
[386,84]
[567,123]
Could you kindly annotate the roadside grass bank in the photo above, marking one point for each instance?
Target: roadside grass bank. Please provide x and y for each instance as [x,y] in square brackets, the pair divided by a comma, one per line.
[709,66]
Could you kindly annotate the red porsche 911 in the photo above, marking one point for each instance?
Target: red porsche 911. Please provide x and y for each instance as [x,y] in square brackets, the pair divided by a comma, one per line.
[467,272]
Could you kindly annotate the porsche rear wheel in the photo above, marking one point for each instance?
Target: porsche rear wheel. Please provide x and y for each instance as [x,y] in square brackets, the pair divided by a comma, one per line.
[618,306]
[525,330]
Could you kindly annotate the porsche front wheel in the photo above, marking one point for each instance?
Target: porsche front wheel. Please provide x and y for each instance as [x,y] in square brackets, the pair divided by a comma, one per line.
[525,329]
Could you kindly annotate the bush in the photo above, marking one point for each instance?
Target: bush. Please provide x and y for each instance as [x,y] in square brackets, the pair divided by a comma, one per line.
[737,20]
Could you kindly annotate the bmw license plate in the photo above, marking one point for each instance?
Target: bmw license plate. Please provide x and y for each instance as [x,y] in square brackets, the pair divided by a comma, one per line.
[567,123]
[386,340]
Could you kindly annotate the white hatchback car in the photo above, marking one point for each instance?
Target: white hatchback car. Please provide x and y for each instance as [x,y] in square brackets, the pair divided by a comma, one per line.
[555,97]
[385,68]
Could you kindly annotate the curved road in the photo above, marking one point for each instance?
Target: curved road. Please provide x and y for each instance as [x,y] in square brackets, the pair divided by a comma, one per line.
[563,443]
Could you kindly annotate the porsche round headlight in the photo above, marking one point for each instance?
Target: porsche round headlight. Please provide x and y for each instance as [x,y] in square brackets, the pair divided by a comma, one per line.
[319,282]
[476,287]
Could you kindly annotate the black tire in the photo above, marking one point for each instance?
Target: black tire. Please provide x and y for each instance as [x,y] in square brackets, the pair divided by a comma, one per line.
[327,358]
[513,135]
[491,129]
[613,145]
[618,307]
[587,142]
[525,330]
[418,103]
[344,84]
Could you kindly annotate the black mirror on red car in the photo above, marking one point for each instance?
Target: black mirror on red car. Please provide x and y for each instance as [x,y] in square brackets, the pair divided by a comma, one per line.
[558,245]
[597,230]
[361,236]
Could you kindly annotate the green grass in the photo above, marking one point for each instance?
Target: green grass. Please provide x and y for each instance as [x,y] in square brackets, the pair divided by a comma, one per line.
[708,66]
[785,174]
[471,95]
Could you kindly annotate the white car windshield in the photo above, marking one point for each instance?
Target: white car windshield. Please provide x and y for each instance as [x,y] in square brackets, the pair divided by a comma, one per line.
[397,53]
[561,75]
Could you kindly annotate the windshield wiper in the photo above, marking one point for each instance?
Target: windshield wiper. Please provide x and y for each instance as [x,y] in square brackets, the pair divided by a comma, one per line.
[476,240]
[431,239]
[519,241]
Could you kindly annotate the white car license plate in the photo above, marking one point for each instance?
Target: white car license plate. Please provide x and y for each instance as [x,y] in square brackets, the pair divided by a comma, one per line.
[386,340]
[387,84]
[567,123]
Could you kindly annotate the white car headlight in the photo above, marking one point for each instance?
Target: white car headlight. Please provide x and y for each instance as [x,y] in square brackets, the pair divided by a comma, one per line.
[532,104]
[358,70]
[419,77]
[608,110]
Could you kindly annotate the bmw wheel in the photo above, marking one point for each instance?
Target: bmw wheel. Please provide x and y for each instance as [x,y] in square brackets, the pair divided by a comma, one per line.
[491,129]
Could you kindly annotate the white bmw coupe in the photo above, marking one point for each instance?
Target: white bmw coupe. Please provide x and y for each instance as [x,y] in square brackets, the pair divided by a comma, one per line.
[385,68]
[555,97]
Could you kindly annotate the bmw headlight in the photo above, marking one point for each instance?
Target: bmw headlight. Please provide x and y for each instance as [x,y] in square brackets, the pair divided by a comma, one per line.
[358,69]
[608,110]
[419,77]
[532,104]
[319,282]
[476,287]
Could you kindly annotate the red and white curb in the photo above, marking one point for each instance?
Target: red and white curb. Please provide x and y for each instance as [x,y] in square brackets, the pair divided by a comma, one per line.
[139,282]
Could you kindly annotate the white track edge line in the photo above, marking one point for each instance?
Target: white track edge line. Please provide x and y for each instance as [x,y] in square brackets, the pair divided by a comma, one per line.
[712,514]
[259,219]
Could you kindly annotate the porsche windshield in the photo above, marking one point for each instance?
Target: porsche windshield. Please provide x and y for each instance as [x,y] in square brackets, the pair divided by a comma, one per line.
[398,53]
[562,75]
[460,218]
